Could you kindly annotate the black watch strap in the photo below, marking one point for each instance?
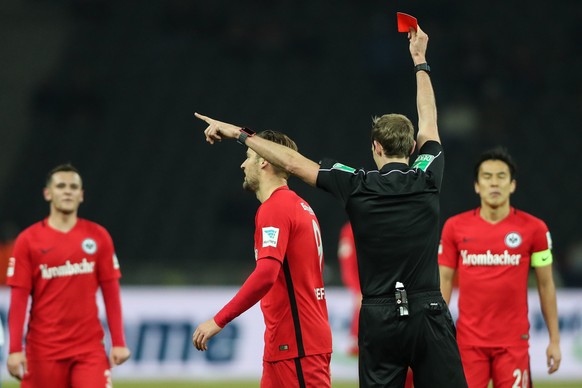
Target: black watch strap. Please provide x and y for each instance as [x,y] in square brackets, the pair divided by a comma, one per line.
[244,133]
[422,67]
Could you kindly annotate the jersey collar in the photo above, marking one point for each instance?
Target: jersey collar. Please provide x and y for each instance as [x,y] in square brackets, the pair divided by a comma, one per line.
[394,166]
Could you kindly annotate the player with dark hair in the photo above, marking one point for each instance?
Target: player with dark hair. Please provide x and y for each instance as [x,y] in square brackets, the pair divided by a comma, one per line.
[60,262]
[288,280]
[492,248]
[394,213]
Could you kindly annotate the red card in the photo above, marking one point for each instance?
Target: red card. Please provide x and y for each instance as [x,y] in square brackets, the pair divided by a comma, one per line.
[406,22]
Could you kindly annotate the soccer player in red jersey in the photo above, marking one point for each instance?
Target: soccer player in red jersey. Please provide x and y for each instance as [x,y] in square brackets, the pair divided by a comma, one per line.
[60,262]
[287,280]
[348,261]
[492,248]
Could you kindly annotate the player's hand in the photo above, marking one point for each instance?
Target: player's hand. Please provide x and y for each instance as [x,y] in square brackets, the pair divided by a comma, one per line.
[16,364]
[217,130]
[554,356]
[418,42]
[118,355]
[203,333]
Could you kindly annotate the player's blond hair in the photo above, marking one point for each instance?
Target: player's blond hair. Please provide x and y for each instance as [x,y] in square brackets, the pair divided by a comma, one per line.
[279,138]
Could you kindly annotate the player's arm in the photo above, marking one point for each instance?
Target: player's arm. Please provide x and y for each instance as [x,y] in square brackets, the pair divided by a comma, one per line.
[16,361]
[425,99]
[111,298]
[448,259]
[284,157]
[255,287]
[446,274]
[549,306]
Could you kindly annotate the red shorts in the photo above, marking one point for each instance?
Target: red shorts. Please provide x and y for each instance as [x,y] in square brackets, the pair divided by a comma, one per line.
[90,370]
[305,372]
[507,366]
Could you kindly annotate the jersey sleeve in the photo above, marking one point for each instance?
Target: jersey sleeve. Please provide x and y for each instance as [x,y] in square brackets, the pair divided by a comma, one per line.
[431,160]
[337,179]
[255,287]
[108,265]
[448,250]
[17,317]
[112,300]
[19,272]
[541,245]
[272,229]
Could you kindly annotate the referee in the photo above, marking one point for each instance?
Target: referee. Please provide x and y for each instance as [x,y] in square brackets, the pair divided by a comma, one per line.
[394,212]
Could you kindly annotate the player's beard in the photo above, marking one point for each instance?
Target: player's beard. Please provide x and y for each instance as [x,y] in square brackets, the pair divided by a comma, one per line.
[250,184]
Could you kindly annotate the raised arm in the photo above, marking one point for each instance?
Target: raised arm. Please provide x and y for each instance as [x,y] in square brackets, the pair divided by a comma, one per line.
[284,157]
[425,100]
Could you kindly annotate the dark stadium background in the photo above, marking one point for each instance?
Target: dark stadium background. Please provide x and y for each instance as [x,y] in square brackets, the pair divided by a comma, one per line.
[111,85]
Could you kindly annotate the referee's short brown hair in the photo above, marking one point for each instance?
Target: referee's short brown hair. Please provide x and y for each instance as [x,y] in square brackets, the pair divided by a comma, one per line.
[395,133]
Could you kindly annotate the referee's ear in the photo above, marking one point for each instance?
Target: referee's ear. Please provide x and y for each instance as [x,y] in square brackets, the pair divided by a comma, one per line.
[377,148]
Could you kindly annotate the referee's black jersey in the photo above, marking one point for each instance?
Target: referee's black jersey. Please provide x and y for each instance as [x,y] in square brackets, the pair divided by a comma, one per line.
[395,219]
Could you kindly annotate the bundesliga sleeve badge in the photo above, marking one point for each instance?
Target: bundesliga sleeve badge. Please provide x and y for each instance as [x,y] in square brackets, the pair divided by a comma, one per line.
[11,265]
[270,236]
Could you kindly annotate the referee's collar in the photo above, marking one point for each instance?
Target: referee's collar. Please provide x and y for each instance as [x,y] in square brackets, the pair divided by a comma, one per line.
[394,166]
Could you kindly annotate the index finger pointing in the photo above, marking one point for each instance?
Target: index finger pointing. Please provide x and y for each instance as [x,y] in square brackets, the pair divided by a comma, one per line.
[202,117]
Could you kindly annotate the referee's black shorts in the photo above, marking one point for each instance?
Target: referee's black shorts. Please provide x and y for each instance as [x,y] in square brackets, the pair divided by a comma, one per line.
[425,341]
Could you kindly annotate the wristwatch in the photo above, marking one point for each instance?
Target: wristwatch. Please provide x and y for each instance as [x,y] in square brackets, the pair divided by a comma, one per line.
[422,67]
[244,133]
